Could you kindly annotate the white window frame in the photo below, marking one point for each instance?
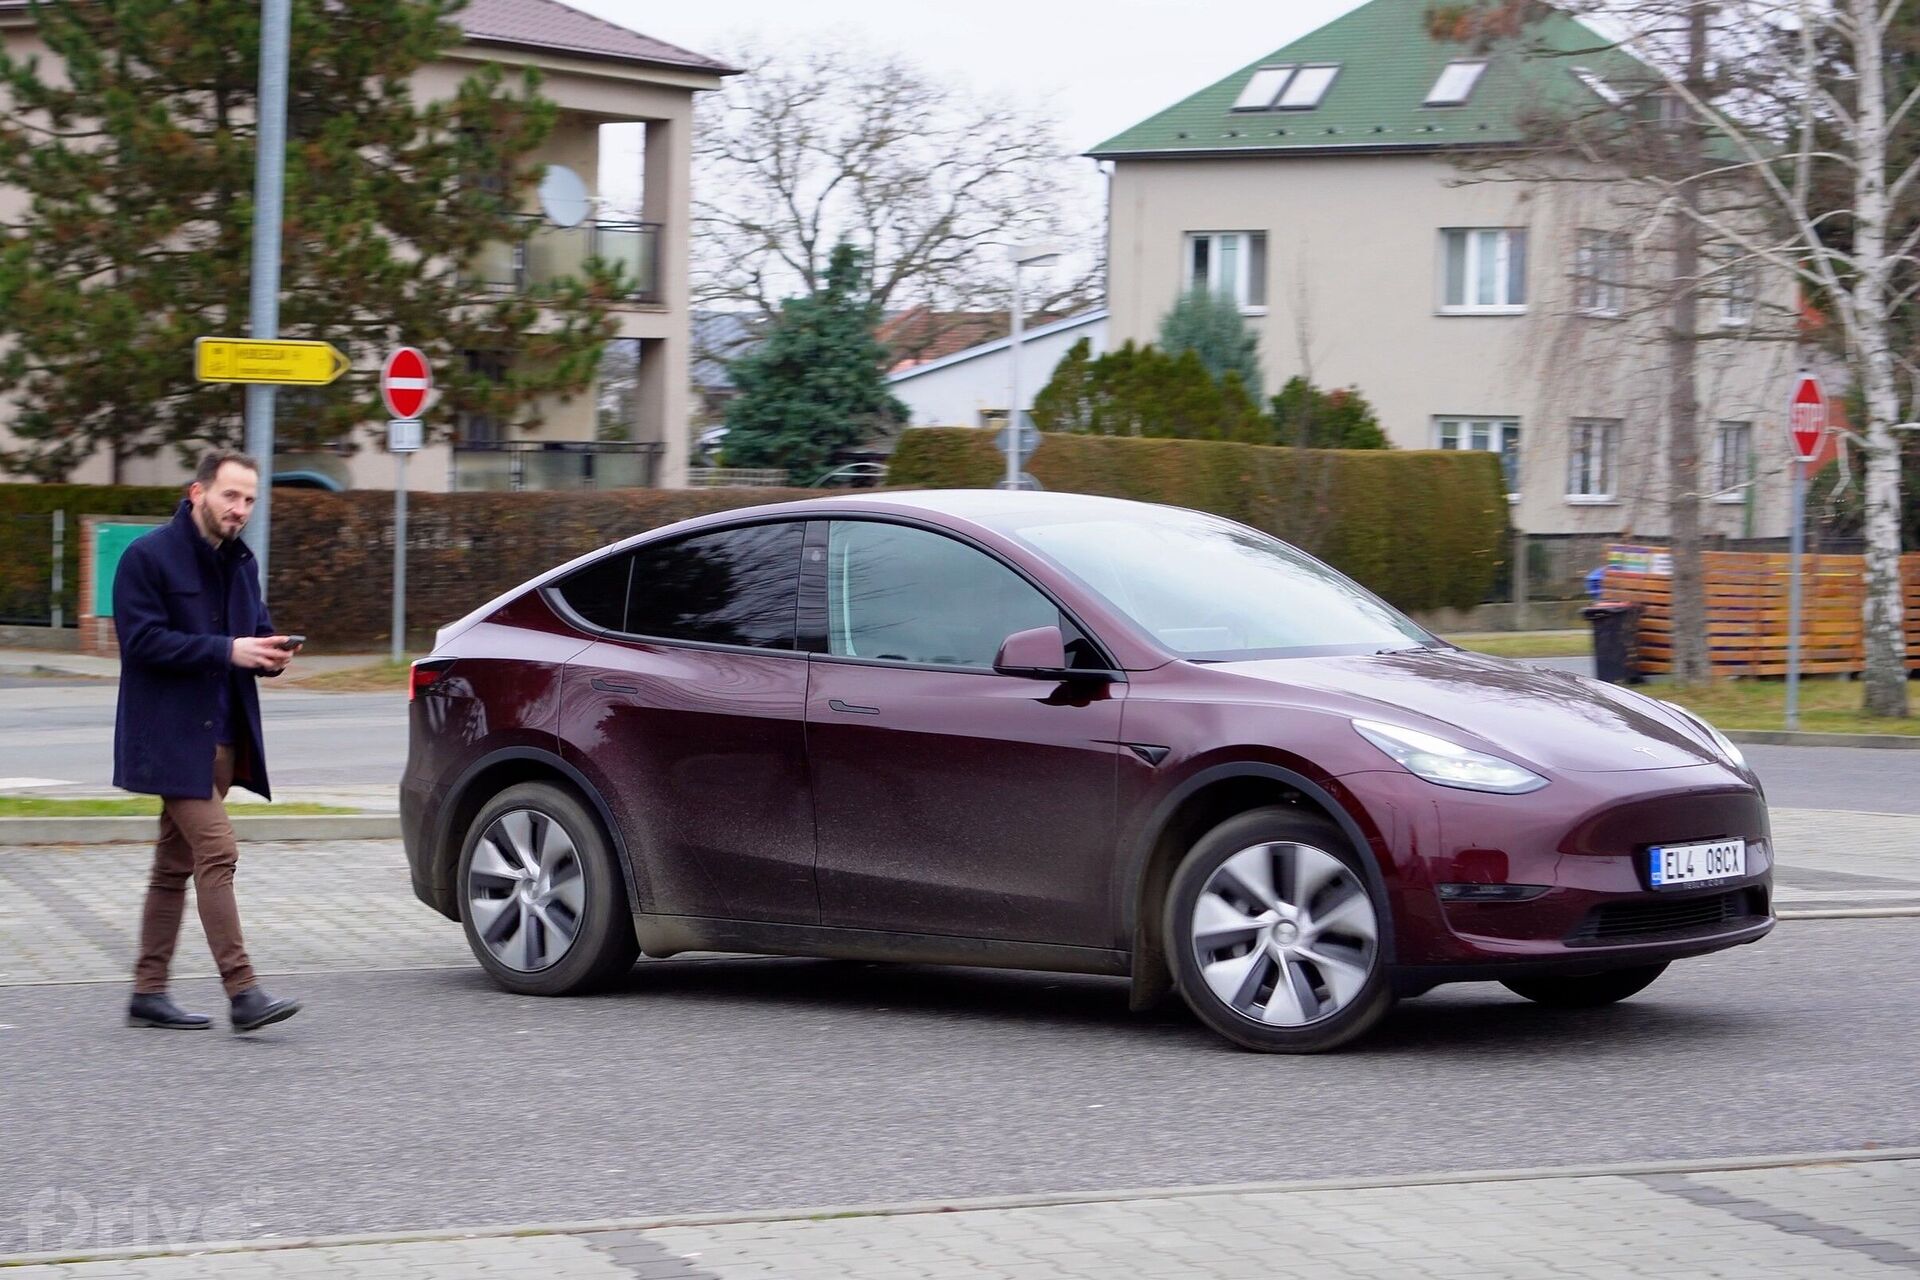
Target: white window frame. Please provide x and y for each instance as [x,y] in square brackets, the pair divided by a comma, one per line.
[1732,489]
[1597,481]
[1284,77]
[1494,433]
[1242,287]
[1736,284]
[1600,273]
[1473,239]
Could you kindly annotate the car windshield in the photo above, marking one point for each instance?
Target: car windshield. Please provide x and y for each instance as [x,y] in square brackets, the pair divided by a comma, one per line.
[1212,590]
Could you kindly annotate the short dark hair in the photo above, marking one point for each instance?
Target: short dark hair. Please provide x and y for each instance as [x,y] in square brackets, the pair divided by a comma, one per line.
[211,463]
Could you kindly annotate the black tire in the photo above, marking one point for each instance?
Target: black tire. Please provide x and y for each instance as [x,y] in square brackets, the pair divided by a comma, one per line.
[1365,1006]
[1587,990]
[603,947]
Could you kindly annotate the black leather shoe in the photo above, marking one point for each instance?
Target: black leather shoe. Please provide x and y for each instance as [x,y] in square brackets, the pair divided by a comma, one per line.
[159,1010]
[254,1008]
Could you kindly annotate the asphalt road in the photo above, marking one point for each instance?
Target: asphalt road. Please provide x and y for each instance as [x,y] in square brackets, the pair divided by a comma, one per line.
[66,732]
[426,1098]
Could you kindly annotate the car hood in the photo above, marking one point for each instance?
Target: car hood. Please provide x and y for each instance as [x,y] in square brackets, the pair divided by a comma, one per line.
[1548,718]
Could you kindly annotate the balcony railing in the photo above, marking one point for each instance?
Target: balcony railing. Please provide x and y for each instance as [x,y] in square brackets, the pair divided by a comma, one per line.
[548,253]
[520,465]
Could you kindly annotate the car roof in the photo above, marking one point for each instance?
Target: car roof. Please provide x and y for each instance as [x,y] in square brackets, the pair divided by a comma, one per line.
[988,507]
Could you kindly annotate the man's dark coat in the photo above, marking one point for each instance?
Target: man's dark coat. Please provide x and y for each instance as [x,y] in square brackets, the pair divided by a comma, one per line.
[176,637]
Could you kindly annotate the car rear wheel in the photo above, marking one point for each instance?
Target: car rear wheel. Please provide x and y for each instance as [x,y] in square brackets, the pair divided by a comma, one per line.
[542,901]
[1587,990]
[1274,935]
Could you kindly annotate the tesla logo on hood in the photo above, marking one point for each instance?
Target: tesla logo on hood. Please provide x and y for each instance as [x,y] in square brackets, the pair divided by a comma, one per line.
[1645,751]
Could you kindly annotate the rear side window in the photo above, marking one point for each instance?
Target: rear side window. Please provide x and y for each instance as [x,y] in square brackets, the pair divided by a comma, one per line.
[598,592]
[739,586]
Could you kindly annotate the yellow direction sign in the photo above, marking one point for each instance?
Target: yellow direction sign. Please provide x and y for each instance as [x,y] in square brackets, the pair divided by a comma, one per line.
[299,364]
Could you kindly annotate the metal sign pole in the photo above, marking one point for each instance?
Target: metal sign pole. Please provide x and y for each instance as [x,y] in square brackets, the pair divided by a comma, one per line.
[399,557]
[1796,541]
[1013,380]
[269,191]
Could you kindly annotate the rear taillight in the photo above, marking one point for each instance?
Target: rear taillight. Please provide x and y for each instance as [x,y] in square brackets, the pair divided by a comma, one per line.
[425,672]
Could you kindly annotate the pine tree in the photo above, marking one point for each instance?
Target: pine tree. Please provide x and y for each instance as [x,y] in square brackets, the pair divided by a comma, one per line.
[137,160]
[1210,325]
[816,384]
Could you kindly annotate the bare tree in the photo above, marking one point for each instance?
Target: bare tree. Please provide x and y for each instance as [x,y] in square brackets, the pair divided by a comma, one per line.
[1767,99]
[815,147]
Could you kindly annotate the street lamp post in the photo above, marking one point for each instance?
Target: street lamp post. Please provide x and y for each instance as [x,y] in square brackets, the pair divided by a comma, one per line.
[1029,256]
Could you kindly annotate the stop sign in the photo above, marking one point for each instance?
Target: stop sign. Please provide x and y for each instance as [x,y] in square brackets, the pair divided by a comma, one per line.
[1807,417]
[405,381]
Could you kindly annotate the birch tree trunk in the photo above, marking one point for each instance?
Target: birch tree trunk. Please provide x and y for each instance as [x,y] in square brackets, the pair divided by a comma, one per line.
[1886,676]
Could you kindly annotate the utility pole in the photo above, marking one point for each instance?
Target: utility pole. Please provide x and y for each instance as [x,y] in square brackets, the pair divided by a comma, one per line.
[269,194]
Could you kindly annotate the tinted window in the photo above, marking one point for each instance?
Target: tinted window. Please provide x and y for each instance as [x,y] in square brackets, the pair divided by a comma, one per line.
[736,587]
[913,596]
[598,592]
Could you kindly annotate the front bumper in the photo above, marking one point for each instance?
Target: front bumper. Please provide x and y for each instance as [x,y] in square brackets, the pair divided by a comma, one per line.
[1581,842]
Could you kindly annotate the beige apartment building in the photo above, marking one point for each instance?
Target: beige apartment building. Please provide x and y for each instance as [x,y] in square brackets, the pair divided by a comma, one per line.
[1337,190]
[599,75]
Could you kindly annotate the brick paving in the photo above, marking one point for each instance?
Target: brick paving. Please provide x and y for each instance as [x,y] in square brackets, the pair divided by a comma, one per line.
[1833,1220]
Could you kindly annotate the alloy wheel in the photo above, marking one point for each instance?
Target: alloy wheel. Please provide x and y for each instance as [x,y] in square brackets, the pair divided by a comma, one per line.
[526,890]
[1285,934]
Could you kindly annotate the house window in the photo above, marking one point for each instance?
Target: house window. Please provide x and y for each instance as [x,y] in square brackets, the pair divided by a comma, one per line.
[1600,273]
[1601,89]
[1493,435]
[1486,270]
[1732,461]
[1233,263]
[1593,460]
[1455,84]
[1734,284]
[1286,88]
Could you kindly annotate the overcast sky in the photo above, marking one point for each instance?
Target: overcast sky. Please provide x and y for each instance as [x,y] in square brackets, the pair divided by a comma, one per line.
[1097,66]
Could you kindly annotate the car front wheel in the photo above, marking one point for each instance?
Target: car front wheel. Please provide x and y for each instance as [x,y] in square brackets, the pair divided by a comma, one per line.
[1274,935]
[541,898]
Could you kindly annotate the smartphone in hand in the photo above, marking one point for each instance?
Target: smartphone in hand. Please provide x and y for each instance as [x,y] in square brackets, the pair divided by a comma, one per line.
[290,643]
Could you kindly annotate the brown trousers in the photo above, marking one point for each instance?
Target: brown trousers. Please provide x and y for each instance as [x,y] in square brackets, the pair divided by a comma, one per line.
[196,842]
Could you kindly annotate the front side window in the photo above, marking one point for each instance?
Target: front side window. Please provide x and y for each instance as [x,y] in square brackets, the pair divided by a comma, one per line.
[1209,589]
[1600,273]
[1493,435]
[1231,263]
[1732,461]
[900,594]
[736,586]
[1485,270]
[1593,459]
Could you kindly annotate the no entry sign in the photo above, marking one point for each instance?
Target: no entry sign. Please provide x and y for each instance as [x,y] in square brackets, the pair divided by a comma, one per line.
[405,381]
[1807,417]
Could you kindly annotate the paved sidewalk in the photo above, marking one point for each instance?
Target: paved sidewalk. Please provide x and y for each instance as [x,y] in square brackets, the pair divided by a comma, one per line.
[70,913]
[1834,1219]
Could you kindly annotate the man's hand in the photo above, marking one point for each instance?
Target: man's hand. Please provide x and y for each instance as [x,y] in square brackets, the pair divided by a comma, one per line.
[261,653]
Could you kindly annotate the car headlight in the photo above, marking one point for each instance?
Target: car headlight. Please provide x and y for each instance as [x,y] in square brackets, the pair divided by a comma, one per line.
[1448,763]
[1720,740]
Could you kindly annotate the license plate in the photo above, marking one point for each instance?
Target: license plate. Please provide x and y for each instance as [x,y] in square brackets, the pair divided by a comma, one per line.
[1675,864]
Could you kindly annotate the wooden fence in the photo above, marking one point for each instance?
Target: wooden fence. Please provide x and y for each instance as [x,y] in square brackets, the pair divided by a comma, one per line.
[1747,610]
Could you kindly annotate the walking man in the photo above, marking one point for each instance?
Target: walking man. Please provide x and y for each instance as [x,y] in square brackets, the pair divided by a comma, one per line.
[194,634]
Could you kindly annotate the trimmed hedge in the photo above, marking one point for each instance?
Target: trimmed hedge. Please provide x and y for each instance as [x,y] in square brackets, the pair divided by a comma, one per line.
[1424,529]
[333,553]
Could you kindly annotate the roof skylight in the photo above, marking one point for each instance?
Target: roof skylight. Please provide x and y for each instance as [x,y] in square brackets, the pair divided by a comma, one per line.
[1456,83]
[1263,88]
[1610,95]
[1308,86]
[1286,88]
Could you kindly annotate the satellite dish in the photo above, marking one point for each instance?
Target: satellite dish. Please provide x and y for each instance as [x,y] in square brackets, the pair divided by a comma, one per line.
[563,197]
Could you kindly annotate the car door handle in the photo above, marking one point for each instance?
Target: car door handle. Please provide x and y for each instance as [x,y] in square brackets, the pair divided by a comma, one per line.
[614,686]
[851,709]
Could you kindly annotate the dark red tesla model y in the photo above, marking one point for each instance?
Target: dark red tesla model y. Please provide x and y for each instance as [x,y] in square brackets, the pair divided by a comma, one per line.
[1046,731]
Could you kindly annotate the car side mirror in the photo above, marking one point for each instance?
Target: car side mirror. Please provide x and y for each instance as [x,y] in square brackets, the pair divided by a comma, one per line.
[1042,654]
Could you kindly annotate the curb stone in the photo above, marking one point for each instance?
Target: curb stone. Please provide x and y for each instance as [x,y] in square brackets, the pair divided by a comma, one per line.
[341,826]
[1643,1169]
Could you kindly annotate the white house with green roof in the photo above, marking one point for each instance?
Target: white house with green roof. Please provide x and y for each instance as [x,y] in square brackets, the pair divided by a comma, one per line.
[1331,188]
